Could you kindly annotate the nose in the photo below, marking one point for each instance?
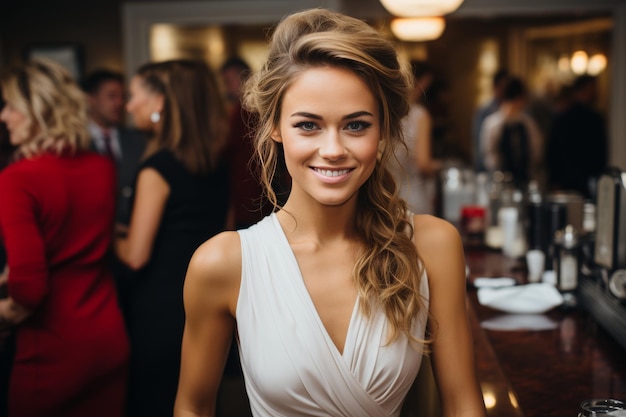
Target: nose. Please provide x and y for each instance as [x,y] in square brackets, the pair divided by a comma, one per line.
[332,147]
[119,102]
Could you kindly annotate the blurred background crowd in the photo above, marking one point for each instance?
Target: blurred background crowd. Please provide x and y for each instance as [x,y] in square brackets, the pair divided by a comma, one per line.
[516,101]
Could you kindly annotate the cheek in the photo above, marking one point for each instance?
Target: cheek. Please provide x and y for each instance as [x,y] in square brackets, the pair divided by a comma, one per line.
[136,108]
[19,133]
[131,106]
[18,122]
[290,156]
[115,103]
[369,153]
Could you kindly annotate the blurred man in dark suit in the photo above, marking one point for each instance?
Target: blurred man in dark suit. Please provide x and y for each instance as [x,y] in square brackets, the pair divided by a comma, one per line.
[105,94]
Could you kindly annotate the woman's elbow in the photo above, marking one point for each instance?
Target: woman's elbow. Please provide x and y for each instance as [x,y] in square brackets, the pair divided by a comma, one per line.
[133,259]
[136,262]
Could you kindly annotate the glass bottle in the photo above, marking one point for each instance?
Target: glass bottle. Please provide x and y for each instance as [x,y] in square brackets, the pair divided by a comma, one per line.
[567,263]
[602,407]
[453,194]
[535,218]
[493,233]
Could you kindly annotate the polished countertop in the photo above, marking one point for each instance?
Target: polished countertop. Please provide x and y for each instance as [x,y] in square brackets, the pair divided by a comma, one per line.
[540,373]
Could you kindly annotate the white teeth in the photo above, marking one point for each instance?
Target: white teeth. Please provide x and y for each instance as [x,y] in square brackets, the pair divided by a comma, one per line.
[331,173]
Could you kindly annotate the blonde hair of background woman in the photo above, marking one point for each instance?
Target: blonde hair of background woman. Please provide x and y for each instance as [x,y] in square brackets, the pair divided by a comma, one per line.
[53,104]
[388,271]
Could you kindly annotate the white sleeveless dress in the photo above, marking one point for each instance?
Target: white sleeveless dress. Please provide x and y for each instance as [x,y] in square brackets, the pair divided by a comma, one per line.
[290,364]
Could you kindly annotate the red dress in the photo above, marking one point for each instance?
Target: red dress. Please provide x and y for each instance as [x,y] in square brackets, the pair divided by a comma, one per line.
[56,221]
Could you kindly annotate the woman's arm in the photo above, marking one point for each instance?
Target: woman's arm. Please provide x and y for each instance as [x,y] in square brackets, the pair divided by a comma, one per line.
[151,194]
[11,313]
[489,142]
[210,298]
[422,151]
[441,250]
[26,270]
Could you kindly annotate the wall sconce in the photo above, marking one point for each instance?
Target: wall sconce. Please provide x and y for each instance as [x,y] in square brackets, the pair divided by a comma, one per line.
[578,63]
[415,8]
[415,29]
[597,64]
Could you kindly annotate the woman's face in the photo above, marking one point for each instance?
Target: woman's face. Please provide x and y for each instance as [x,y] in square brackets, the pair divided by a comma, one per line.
[330,130]
[16,122]
[142,103]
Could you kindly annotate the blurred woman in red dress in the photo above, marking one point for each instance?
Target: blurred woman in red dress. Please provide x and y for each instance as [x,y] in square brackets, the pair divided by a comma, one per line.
[56,222]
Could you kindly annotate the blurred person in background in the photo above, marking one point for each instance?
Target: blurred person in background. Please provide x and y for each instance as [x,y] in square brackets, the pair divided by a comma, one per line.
[511,140]
[234,72]
[56,222]
[247,201]
[577,149]
[416,166]
[181,199]
[6,148]
[105,99]
[7,349]
[247,205]
[499,82]
[105,108]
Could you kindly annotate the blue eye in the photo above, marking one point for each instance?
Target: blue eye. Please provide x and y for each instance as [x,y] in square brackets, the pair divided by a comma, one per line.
[357,126]
[308,126]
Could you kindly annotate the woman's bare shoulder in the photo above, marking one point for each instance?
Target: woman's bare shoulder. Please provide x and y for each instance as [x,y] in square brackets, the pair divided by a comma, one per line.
[432,233]
[215,267]
[439,246]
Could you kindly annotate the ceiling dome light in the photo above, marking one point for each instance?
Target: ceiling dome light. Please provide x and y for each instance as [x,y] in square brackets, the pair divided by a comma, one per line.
[415,8]
[579,62]
[596,64]
[415,29]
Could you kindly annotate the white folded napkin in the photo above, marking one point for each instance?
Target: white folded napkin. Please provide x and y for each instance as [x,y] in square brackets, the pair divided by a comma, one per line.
[481,282]
[532,298]
[512,322]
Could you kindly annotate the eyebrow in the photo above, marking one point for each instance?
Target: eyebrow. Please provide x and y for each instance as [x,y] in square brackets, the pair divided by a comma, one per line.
[346,117]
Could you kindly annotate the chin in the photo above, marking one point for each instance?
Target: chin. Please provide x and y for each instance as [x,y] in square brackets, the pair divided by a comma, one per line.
[336,201]
[146,127]
[16,140]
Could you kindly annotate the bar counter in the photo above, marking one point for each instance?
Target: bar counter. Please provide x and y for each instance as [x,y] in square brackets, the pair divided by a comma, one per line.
[540,373]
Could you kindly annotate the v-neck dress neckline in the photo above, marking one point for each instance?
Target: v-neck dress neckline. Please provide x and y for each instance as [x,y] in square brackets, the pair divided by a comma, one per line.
[300,281]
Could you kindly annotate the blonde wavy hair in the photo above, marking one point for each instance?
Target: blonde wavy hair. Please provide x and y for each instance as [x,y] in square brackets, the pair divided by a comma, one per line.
[53,104]
[388,272]
[195,122]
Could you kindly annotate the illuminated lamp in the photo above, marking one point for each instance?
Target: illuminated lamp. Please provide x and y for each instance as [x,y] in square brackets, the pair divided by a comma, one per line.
[597,64]
[415,8]
[578,63]
[415,29]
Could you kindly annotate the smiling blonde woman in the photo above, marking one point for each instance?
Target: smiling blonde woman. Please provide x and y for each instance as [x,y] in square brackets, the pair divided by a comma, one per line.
[337,295]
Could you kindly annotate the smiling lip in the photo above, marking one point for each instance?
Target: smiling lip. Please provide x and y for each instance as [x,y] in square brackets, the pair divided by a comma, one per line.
[332,175]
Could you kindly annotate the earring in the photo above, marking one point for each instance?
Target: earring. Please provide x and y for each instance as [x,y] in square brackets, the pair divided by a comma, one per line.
[155,117]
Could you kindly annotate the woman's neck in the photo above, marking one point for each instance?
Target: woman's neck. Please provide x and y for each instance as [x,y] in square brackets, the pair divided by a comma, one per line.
[319,222]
